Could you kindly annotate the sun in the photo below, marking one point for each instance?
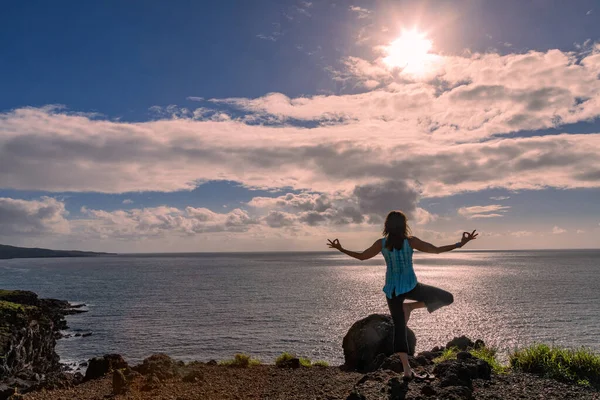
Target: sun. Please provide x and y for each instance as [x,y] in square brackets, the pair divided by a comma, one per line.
[410,52]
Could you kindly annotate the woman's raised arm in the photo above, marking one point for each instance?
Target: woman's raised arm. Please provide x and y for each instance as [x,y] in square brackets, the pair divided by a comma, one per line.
[425,247]
[365,255]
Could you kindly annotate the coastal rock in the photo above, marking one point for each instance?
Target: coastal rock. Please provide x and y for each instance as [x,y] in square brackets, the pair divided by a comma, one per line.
[464,343]
[29,328]
[100,366]
[367,339]
[119,382]
[462,372]
[159,365]
[193,376]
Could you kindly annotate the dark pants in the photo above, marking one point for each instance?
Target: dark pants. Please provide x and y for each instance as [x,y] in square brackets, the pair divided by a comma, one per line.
[433,298]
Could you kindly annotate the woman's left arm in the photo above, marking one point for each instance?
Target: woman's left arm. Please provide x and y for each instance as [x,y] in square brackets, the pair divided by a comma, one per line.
[365,255]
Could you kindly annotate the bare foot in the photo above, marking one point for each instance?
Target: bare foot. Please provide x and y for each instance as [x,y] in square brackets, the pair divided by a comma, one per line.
[407,307]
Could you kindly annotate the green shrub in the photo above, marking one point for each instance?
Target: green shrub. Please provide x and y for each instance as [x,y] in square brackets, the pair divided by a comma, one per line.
[305,362]
[580,366]
[320,364]
[241,361]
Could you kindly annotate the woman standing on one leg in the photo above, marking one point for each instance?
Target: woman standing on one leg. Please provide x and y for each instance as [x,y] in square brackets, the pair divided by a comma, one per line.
[400,280]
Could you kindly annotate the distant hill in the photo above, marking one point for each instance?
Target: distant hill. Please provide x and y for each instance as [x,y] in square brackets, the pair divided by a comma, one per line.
[7,252]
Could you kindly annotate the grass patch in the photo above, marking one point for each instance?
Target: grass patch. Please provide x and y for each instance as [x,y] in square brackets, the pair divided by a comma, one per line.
[320,363]
[580,366]
[241,361]
[484,353]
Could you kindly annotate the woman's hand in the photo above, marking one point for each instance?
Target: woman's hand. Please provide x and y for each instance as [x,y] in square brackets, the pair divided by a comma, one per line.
[335,244]
[467,237]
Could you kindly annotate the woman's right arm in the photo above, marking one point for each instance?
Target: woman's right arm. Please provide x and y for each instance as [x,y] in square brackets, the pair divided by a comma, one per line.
[425,247]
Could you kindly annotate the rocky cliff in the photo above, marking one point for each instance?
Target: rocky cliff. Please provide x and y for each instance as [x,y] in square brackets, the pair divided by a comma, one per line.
[29,328]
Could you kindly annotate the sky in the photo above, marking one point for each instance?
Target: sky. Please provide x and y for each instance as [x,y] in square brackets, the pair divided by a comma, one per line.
[156,126]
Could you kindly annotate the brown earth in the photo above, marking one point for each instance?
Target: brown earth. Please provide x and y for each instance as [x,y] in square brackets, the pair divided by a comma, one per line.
[203,381]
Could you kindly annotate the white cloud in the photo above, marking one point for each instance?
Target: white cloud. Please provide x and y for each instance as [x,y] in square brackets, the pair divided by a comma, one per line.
[32,217]
[361,12]
[557,231]
[127,201]
[160,221]
[521,233]
[490,211]
[79,154]
[195,98]
[589,12]
[580,231]
[499,198]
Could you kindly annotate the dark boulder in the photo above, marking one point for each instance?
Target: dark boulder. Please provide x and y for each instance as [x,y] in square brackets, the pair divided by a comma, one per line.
[193,376]
[367,339]
[462,372]
[292,363]
[461,343]
[159,365]
[100,366]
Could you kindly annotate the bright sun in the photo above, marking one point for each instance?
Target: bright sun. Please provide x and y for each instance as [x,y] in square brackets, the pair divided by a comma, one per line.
[409,52]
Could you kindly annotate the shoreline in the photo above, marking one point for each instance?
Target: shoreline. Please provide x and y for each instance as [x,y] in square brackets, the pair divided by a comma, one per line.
[460,369]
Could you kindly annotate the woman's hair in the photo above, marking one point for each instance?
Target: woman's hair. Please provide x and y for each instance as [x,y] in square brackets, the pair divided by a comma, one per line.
[395,230]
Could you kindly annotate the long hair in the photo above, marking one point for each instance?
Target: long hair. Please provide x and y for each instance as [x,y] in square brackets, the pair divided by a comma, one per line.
[395,230]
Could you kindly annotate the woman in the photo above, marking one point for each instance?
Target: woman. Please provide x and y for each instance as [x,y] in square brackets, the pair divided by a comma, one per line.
[400,280]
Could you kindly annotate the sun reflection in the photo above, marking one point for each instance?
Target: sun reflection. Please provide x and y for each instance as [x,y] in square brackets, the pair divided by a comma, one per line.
[410,52]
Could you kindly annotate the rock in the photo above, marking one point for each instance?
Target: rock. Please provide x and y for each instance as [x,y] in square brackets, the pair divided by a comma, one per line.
[398,388]
[367,339]
[212,362]
[462,372]
[479,344]
[160,365]
[86,334]
[119,382]
[393,363]
[461,343]
[293,363]
[83,364]
[355,395]
[463,355]
[428,390]
[152,382]
[99,366]
[29,328]
[193,376]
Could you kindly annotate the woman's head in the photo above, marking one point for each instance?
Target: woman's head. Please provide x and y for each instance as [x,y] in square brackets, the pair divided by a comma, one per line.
[396,229]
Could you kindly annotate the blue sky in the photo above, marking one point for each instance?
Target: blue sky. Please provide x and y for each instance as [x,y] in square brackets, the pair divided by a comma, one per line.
[272,125]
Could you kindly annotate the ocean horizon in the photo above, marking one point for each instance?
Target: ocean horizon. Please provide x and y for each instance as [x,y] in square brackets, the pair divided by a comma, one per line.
[201,306]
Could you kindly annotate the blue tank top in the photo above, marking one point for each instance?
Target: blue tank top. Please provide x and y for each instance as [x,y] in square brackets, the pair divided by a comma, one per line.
[400,276]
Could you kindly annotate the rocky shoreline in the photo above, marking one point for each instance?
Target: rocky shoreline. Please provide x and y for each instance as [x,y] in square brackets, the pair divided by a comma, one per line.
[30,368]
[29,328]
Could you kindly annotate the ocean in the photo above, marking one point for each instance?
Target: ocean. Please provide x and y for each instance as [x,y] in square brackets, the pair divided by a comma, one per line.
[211,306]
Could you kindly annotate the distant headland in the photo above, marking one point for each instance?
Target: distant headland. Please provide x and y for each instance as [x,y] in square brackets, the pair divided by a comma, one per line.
[7,252]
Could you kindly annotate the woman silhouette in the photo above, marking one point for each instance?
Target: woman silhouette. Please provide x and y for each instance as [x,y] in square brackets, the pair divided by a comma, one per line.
[400,280]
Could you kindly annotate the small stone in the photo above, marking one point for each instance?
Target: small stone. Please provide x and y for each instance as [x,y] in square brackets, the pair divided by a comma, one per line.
[428,390]
[212,362]
[193,376]
[356,395]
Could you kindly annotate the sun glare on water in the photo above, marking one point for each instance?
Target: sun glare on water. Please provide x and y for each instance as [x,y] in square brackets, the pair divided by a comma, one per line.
[410,52]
